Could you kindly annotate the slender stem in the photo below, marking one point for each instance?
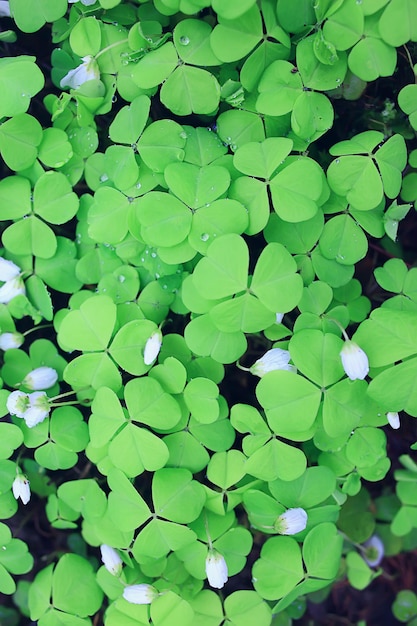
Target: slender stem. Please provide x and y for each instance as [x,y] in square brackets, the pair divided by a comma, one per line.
[345,335]
[112,45]
[31,330]
[209,541]
[66,394]
[64,404]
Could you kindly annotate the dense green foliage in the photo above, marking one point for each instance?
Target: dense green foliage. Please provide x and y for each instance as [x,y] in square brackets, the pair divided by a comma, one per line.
[180,213]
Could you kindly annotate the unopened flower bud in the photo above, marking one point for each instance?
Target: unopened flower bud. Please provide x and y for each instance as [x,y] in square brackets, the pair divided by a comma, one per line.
[216,569]
[21,488]
[140,594]
[291,522]
[393,419]
[274,359]
[111,560]
[152,347]
[40,378]
[8,341]
[374,551]
[354,361]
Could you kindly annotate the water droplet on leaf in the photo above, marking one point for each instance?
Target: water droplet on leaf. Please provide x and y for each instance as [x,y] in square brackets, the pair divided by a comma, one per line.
[184,41]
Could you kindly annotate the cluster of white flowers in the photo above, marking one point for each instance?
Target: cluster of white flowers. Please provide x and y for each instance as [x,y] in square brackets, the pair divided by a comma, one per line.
[10,275]
[32,407]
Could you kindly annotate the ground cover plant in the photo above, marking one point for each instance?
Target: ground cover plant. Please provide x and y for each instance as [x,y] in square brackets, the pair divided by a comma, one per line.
[208,310]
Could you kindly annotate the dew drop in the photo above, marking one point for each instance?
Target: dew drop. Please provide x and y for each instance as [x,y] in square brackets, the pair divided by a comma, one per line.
[183,135]
[122,279]
[184,41]
[138,185]
[103,178]
[153,255]
[337,161]
[338,80]
[114,99]
[205,237]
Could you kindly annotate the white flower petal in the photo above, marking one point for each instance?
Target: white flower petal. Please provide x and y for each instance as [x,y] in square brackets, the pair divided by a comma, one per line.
[21,488]
[139,594]
[8,269]
[88,70]
[8,341]
[291,522]
[152,347]
[393,419]
[11,288]
[111,560]
[274,359]
[18,403]
[216,569]
[40,378]
[38,410]
[354,361]
[374,551]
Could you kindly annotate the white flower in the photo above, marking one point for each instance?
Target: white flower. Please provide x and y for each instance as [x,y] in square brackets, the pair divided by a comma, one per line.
[88,70]
[18,403]
[216,569]
[4,8]
[139,594]
[21,488]
[8,269]
[111,560]
[374,551]
[291,522]
[86,3]
[38,410]
[12,288]
[11,340]
[275,359]
[393,419]
[40,378]
[152,347]
[354,361]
